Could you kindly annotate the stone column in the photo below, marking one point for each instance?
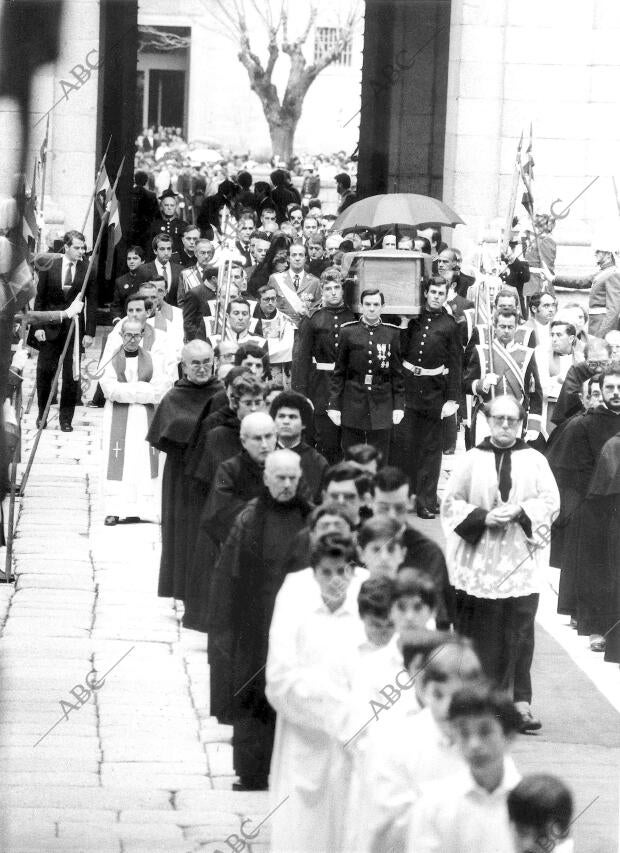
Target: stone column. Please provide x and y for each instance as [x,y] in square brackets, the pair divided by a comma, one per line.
[68,90]
[556,66]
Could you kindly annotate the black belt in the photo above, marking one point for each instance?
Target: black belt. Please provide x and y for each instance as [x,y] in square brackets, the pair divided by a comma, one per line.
[370,380]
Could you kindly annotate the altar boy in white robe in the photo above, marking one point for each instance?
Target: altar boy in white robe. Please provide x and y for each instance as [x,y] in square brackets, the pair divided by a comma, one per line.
[310,683]
[133,382]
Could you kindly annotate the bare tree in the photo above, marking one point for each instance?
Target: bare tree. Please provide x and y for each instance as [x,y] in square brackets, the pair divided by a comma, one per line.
[282,115]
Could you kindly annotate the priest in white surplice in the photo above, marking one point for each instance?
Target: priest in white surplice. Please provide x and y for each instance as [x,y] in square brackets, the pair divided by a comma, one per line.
[133,382]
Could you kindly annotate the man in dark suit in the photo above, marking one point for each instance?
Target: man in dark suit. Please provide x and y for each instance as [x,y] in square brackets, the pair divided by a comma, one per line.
[144,210]
[168,223]
[57,287]
[245,229]
[187,257]
[449,267]
[343,188]
[128,284]
[164,267]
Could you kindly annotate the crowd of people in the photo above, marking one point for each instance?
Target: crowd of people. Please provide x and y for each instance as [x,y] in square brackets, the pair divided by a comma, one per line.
[373,683]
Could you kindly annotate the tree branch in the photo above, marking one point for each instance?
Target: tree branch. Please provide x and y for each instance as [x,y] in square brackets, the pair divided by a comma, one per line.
[311,19]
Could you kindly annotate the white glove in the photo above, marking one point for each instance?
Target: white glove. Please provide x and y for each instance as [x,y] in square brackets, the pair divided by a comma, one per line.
[20,358]
[531,434]
[489,380]
[449,408]
[74,309]
[397,416]
[335,416]
[40,335]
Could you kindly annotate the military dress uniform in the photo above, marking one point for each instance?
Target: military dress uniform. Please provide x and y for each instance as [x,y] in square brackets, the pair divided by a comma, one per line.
[367,384]
[515,365]
[432,358]
[173,227]
[314,358]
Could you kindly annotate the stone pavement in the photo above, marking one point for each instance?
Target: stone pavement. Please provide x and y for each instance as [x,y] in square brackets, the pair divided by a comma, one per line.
[106,743]
[131,761]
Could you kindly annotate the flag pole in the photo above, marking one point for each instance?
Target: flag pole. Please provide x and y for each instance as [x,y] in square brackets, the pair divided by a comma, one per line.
[513,199]
[44,167]
[94,192]
[68,340]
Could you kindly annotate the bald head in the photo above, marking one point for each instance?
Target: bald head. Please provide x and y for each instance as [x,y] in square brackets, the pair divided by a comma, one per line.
[258,436]
[196,349]
[131,334]
[197,358]
[282,475]
[505,405]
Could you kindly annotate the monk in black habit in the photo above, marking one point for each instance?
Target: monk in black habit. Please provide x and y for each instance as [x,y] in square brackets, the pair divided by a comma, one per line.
[218,440]
[218,437]
[604,504]
[173,425]
[573,458]
[250,572]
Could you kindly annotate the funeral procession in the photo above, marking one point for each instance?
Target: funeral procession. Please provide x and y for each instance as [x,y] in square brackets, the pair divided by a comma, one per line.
[310,426]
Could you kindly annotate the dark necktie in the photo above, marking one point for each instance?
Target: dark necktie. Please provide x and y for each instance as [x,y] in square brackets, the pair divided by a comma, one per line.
[166,275]
[503,465]
[68,282]
[296,283]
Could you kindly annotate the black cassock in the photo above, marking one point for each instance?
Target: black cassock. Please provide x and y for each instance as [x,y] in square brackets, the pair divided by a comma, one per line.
[217,441]
[237,481]
[171,431]
[248,576]
[573,456]
[603,515]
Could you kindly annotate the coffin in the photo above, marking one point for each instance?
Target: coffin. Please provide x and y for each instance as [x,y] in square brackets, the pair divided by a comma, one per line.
[398,274]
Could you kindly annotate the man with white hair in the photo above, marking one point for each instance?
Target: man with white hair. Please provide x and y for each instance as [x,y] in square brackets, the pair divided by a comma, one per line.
[174,424]
[133,381]
[332,244]
[251,570]
[236,481]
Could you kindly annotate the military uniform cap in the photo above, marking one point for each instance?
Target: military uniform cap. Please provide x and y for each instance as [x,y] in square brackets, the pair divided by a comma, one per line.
[169,193]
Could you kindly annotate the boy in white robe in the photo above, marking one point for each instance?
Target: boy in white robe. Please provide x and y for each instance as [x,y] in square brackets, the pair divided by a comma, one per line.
[468,811]
[413,749]
[133,381]
[310,684]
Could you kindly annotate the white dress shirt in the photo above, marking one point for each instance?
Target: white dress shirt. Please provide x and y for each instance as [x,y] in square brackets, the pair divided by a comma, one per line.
[456,815]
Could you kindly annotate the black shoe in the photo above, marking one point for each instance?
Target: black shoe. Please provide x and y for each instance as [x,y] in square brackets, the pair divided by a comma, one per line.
[425,513]
[529,723]
[251,783]
[66,428]
[131,519]
[111,520]
[39,423]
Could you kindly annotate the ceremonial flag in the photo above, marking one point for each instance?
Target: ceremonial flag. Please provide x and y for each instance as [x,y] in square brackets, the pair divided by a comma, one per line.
[527,173]
[43,149]
[102,190]
[114,233]
[30,229]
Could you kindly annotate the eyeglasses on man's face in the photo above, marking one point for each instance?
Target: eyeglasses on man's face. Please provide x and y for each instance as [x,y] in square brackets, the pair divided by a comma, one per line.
[499,420]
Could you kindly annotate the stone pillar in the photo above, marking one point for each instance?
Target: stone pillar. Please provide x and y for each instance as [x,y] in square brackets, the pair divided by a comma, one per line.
[557,66]
[72,110]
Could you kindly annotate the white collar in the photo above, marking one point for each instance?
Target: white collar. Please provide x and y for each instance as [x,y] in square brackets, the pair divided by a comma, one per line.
[468,785]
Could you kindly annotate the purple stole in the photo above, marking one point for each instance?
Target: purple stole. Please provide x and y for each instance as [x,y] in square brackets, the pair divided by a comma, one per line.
[120,413]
